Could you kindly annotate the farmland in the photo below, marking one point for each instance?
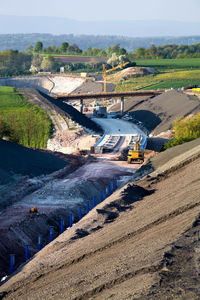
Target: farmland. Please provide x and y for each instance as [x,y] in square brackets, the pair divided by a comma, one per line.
[22,122]
[170,64]
[174,73]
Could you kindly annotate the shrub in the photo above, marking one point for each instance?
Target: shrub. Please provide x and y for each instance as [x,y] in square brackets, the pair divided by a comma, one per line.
[184,130]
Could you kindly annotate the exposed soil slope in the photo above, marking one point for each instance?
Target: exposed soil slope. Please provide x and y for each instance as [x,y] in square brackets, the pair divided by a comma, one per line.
[131,72]
[157,114]
[57,84]
[126,245]
[16,159]
[74,114]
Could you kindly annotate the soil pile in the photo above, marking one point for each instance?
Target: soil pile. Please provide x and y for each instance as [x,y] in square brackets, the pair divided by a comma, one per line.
[141,239]
[131,72]
[16,159]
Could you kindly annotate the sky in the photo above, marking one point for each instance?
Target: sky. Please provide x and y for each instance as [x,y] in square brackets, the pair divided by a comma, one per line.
[90,10]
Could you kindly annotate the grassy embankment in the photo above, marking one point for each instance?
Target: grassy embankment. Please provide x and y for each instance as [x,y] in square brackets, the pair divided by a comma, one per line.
[22,122]
[174,73]
[184,130]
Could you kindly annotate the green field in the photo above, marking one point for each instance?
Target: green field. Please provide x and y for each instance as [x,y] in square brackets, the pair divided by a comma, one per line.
[170,64]
[173,73]
[22,122]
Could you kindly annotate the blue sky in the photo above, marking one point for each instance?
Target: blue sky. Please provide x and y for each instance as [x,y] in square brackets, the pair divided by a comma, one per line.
[180,10]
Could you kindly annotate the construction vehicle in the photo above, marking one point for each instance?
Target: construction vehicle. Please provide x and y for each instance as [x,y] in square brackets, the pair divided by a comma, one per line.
[104,78]
[135,155]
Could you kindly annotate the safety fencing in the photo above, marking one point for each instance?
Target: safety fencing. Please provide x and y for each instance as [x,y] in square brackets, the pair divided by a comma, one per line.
[89,205]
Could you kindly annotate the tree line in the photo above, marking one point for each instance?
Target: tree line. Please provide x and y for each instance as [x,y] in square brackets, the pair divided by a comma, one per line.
[167,52]
[39,58]
[21,41]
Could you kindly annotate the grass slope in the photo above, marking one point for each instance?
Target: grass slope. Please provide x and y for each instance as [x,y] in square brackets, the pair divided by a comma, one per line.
[22,122]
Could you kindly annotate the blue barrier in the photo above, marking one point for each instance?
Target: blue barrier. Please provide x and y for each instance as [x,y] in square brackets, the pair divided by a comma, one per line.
[39,243]
[61,226]
[51,234]
[12,263]
[80,213]
[115,184]
[107,192]
[26,253]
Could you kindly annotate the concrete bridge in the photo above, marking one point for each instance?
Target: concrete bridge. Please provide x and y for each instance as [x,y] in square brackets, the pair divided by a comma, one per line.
[121,95]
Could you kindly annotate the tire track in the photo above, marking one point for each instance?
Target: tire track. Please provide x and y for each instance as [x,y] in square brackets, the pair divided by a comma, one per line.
[126,237]
[119,280]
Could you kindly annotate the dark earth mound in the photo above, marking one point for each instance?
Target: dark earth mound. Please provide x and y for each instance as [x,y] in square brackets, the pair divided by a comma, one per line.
[16,159]
[75,115]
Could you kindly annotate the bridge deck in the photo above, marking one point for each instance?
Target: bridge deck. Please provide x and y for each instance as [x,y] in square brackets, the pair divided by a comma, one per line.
[107,94]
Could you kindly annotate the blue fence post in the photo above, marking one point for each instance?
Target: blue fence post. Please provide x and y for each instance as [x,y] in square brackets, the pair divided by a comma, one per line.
[12,262]
[111,188]
[94,201]
[39,243]
[87,207]
[61,226]
[107,192]
[51,234]
[26,252]
[115,183]
[101,196]
[80,213]
[70,220]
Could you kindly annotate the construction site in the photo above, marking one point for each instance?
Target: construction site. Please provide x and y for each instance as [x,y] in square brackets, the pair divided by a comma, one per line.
[130,213]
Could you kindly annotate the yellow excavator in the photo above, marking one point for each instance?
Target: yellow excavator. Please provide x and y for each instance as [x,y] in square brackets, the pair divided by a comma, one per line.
[104,78]
[135,155]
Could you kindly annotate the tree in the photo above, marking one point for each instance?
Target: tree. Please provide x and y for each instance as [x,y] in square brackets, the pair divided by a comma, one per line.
[48,64]
[116,60]
[36,63]
[38,47]
[63,47]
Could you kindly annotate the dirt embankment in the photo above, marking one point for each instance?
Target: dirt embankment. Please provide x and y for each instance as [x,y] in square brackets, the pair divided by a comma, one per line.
[157,114]
[143,241]
[56,84]
[131,72]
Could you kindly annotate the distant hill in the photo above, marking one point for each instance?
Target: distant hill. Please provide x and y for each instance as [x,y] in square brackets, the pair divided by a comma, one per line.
[21,41]
[56,25]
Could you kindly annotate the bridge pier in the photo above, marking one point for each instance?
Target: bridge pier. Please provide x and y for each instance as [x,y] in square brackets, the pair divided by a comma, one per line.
[122,105]
[81,103]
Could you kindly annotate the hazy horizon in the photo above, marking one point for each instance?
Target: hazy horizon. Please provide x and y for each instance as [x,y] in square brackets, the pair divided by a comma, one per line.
[129,10]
